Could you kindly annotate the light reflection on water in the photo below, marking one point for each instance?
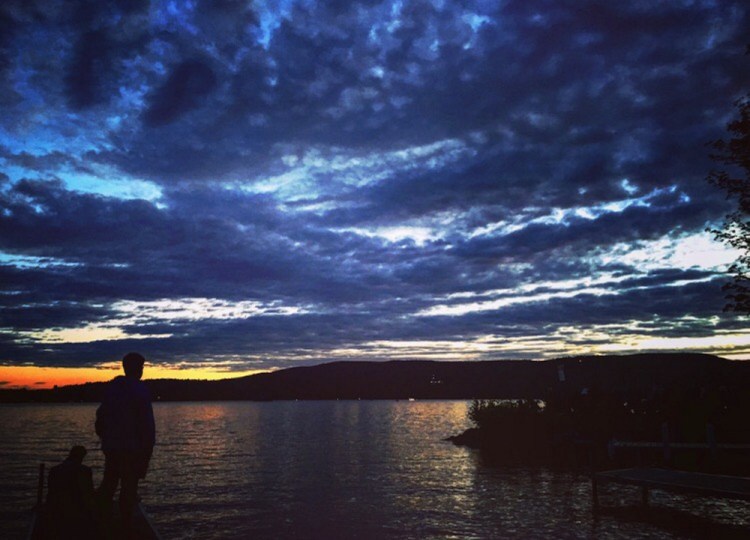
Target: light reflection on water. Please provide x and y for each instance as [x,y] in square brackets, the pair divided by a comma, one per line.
[335,469]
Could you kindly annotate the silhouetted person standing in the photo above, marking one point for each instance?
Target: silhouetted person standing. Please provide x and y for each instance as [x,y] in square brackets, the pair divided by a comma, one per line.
[70,498]
[125,424]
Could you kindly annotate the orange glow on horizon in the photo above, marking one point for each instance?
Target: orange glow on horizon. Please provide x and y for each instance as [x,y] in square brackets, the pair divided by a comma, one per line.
[35,377]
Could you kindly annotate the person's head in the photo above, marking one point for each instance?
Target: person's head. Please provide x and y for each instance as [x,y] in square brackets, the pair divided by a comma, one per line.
[132,363]
[77,453]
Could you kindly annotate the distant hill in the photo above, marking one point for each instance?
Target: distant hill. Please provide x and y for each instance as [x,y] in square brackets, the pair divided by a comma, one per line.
[630,375]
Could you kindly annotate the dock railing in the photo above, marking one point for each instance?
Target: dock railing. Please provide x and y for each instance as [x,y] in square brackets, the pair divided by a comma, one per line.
[666,477]
[667,446]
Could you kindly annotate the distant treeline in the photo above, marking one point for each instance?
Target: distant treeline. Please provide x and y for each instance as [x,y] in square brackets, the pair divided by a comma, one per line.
[631,377]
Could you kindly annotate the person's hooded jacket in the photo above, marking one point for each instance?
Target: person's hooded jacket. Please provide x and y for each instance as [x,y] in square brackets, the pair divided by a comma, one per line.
[125,419]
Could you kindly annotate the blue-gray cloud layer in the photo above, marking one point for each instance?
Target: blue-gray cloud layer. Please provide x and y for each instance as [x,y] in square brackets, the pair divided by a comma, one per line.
[242,152]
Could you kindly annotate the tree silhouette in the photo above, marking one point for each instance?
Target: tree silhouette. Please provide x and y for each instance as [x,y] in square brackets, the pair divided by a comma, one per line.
[734,179]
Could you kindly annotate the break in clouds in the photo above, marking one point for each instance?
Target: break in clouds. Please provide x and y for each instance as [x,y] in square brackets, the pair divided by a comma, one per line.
[257,185]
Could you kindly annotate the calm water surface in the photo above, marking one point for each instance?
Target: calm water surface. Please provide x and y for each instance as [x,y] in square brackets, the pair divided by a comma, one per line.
[333,469]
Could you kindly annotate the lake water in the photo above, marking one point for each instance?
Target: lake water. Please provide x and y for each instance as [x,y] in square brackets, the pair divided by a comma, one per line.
[334,469]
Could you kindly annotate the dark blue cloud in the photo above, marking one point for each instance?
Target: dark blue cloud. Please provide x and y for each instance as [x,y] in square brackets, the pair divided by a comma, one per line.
[337,173]
[188,84]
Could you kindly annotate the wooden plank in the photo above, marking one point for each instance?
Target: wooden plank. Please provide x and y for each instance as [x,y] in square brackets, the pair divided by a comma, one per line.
[31,533]
[141,529]
[679,446]
[706,484]
[144,526]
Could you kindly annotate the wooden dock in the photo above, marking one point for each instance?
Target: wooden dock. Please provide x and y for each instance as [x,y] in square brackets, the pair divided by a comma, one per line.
[142,528]
[108,523]
[710,485]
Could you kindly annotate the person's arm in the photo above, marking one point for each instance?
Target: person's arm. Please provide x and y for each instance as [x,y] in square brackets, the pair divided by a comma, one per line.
[146,423]
[147,432]
[151,425]
[103,415]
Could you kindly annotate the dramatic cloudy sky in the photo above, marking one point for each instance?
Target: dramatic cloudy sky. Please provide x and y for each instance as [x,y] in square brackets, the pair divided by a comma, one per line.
[245,185]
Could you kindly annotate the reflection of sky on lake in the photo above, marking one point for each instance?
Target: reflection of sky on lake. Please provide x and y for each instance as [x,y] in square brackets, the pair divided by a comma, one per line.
[336,469]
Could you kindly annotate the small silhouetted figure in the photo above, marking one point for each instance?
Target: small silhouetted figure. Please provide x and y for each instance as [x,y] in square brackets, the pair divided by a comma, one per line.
[70,498]
[125,424]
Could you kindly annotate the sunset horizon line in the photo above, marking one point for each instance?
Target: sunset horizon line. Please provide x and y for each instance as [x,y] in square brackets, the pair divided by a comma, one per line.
[31,377]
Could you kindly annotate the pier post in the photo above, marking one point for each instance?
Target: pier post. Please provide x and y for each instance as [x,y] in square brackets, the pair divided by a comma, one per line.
[665,443]
[711,440]
[594,491]
[40,486]
[644,496]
